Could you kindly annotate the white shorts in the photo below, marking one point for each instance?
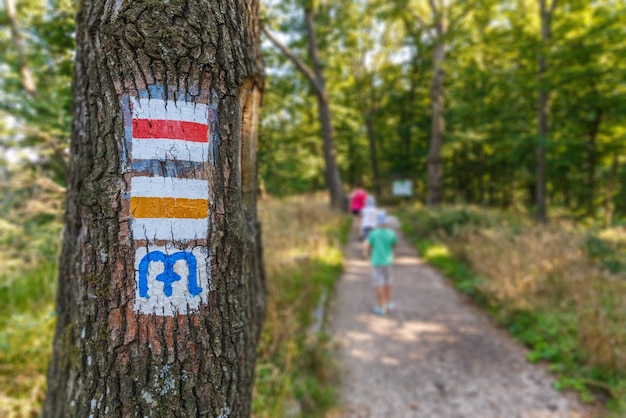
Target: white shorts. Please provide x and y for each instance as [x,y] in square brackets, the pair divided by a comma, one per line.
[381,275]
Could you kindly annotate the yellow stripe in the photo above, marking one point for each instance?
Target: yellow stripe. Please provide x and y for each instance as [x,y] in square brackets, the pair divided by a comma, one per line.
[168,207]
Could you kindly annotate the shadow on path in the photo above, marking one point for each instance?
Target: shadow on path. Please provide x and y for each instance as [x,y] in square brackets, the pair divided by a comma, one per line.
[436,355]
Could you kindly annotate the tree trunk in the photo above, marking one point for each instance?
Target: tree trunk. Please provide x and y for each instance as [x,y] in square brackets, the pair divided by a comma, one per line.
[407,119]
[540,192]
[481,174]
[435,166]
[543,111]
[467,174]
[566,190]
[609,206]
[506,185]
[591,159]
[161,288]
[333,179]
[491,193]
[371,139]
[455,168]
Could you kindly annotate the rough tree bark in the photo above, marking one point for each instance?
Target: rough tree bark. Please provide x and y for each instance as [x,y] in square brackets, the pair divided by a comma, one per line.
[161,289]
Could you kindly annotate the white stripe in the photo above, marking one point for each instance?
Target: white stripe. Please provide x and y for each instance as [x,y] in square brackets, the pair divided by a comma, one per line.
[170,110]
[169,149]
[169,229]
[169,187]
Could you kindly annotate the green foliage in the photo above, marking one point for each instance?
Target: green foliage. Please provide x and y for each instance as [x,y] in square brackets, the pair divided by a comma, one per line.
[610,251]
[296,374]
[26,329]
[30,236]
[378,70]
[40,120]
[448,220]
[463,279]
[29,292]
[26,344]
[30,227]
[554,322]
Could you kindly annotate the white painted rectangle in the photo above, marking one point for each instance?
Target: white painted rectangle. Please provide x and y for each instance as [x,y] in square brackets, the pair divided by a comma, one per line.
[169,149]
[170,110]
[169,187]
[171,229]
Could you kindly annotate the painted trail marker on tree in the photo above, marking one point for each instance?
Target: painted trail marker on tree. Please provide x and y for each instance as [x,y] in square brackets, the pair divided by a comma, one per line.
[168,142]
[161,290]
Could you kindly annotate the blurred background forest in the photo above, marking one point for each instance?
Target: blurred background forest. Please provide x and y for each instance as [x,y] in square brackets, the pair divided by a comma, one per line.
[523,92]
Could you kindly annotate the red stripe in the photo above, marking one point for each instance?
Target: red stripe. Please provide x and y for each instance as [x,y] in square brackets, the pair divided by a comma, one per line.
[170,129]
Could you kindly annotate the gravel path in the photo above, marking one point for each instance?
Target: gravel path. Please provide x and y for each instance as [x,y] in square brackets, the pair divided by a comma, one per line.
[435,356]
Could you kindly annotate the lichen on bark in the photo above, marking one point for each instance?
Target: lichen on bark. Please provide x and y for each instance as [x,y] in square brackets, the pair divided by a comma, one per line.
[110,360]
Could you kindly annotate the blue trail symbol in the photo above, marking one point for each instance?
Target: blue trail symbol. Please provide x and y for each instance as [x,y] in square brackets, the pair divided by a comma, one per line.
[169,276]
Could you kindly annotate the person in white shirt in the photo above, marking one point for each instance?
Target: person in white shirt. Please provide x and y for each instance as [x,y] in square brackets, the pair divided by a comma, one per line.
[368,217]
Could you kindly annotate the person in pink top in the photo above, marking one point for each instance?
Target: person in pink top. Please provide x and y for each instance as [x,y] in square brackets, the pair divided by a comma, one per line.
[357,202]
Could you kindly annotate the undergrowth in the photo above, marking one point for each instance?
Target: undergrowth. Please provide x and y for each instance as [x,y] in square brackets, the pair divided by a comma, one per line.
[302,247]
[30,236]
[302,240]
[558,288]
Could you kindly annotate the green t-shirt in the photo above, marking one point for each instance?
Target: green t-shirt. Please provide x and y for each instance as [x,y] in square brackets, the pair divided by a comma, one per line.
[382,241]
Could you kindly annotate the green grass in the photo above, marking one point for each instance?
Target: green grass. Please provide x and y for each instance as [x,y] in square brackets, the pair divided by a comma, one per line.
[551,320]
[30,238]
[289,367]
[26,330]
[296,374]
[608,248]
[28,292]
[295,370]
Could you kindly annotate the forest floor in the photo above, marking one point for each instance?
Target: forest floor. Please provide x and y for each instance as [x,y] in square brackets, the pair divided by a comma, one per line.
[436,355]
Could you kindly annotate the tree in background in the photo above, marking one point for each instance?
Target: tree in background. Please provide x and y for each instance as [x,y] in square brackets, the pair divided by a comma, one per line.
[546,11]
[26,77]
[35,73]
[161,292]
[318,82]
[378,65]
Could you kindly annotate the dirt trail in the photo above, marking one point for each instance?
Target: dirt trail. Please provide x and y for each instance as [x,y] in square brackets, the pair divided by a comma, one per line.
[436,356]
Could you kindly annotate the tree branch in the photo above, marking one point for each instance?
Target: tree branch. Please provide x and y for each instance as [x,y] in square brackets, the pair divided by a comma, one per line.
[418,18]
[433,8]
[461,16]
[304,69]
[553,6]
[27,79]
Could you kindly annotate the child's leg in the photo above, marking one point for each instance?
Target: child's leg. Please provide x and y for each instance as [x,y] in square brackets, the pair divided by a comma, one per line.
[386,291]
[378,281]
[380,296]
[387,288]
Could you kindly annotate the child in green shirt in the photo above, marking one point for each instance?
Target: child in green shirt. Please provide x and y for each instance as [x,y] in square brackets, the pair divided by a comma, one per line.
[379,247]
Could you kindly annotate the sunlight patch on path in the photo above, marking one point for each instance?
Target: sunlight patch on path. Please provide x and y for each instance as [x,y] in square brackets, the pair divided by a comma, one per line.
[434,356]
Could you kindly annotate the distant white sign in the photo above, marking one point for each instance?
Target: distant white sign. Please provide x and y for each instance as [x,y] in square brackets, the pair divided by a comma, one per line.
[402,188]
